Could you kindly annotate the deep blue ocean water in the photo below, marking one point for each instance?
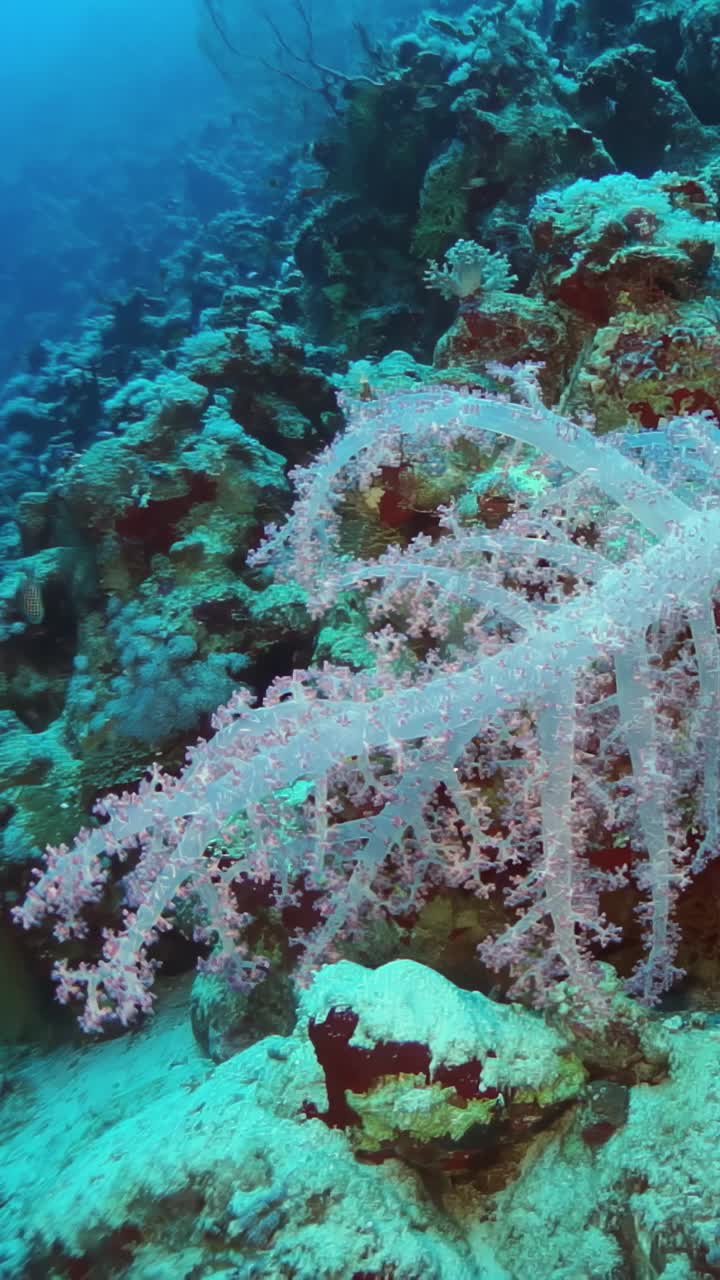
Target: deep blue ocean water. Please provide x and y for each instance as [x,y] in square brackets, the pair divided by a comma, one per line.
[103,104]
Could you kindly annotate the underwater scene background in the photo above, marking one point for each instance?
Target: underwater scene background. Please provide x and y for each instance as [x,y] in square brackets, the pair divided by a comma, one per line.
[359,640]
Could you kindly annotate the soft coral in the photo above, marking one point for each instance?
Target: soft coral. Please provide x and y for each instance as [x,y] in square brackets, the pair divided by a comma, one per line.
[337,776]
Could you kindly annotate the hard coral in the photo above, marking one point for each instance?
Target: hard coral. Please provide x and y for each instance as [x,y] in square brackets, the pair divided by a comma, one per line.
[646,239]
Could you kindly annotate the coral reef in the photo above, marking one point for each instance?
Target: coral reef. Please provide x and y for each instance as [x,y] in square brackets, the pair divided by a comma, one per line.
[400,208]
[159,1163]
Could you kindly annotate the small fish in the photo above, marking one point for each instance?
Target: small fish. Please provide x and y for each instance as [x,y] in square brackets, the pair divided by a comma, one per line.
[30,600]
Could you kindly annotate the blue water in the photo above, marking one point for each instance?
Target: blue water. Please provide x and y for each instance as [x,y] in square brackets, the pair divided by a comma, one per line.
[100,102]
[103,102]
